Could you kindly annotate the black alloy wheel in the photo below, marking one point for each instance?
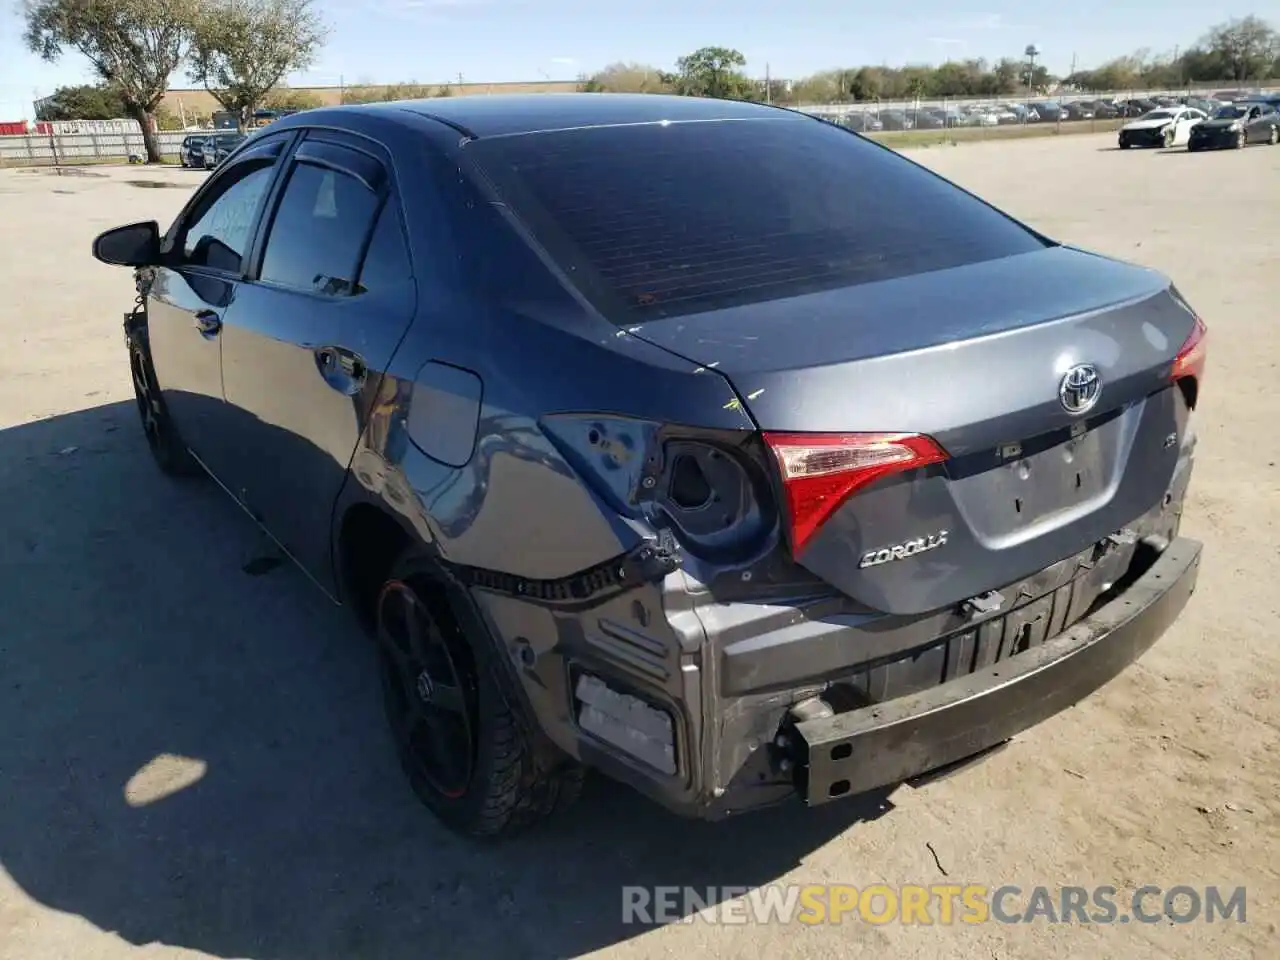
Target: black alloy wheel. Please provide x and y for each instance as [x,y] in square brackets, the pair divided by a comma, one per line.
[167,448]
[430,692]
[466,742]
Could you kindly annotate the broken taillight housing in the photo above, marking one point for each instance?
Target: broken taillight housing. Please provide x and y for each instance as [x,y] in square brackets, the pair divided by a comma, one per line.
[1191,355]
[820,471]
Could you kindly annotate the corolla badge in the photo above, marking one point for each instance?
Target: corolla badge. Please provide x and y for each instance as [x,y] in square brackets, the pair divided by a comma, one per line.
[1080,388]
[904,550]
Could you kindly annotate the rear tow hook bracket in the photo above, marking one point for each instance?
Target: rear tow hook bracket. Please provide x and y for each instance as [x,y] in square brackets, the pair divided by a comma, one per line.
[1121,538]
[983,603]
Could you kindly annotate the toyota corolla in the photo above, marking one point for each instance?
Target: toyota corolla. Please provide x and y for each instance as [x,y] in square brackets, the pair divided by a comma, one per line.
[706,444]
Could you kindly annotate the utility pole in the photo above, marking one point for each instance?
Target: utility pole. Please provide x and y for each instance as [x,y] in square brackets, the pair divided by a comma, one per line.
[768,86]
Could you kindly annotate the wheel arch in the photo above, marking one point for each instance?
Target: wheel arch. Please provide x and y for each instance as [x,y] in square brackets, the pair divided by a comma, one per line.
[367,541]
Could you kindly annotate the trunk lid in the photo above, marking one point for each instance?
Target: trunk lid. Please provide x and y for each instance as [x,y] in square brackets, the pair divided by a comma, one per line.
[973,357]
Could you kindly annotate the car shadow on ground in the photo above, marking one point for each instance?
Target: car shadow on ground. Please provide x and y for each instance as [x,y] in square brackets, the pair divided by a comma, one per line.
[192,749]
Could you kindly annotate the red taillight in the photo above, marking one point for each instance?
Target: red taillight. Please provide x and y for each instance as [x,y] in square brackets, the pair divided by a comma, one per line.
[1191,355]
[820,471]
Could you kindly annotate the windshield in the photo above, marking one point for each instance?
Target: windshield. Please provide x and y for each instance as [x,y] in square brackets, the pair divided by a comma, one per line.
[1230,113]
[657,220]
[1159,115]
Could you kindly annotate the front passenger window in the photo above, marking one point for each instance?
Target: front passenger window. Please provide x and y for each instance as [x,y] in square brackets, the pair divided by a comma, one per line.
[219,235]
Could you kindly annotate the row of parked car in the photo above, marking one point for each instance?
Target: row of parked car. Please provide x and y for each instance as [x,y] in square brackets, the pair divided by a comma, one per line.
[204,151]
[940,116]
[1255,119]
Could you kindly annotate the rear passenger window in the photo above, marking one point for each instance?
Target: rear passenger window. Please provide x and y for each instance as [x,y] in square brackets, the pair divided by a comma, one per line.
[319,231]
[386,265]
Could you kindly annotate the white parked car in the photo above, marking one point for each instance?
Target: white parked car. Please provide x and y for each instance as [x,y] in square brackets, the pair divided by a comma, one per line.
[1162,127]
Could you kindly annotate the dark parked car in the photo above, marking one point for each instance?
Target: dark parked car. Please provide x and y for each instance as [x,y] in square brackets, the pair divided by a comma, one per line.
[1077,110]
[1050,111]
[895,120]
[928,119]
[1137,107]
[191,152]
[861,121]
[217,148]
[1237,125]
[698,442]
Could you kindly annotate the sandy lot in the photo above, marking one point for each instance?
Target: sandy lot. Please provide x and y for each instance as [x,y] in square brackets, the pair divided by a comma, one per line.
[192,758]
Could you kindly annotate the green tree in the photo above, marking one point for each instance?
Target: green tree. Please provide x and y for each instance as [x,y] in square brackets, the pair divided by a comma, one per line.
[84,102]
[132,45]
[242,49]
[714,72]
[166,120]
[627,78]
[283,98]
[406,90]
[1247,47]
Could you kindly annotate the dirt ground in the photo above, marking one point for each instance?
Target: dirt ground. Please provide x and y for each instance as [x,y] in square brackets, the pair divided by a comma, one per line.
[193,761]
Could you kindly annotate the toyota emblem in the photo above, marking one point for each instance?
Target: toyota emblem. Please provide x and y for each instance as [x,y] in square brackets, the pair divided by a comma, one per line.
[1080,388]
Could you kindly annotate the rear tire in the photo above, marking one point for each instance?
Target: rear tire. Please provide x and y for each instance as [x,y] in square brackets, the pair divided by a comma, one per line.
[167,448]
[471,754]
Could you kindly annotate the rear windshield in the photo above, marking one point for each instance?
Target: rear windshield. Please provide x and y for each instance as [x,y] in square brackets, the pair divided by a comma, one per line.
[658,220]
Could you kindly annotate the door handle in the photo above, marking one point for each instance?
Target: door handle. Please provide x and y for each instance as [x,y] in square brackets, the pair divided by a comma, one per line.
[208,323]
[343,370]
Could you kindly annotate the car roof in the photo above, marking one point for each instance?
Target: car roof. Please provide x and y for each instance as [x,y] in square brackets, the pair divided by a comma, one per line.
[498,115]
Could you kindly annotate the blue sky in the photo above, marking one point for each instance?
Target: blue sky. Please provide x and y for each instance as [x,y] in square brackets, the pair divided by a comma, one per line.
[493,40]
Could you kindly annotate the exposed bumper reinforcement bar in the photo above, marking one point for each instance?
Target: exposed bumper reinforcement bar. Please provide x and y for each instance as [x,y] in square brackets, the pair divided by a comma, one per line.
[891,742]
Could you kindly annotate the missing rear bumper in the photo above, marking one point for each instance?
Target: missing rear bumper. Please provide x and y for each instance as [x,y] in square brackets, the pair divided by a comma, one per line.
[895,741]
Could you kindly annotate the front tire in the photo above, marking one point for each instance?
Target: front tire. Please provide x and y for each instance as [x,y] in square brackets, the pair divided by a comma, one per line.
[166,445]
[1274,137]
[1241,140]
[1169,137]
[469,751]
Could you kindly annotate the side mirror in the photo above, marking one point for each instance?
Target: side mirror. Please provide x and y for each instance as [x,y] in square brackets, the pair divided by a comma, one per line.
[133,245]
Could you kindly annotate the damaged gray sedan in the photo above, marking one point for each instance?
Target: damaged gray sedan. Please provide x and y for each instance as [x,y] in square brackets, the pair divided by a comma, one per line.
[705,444]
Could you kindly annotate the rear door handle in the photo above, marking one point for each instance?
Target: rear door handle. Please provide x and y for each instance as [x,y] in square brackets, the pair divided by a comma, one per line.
[343,370]
[208,323]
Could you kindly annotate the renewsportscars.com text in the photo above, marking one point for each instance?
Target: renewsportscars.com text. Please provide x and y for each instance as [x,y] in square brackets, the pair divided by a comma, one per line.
[943,904]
